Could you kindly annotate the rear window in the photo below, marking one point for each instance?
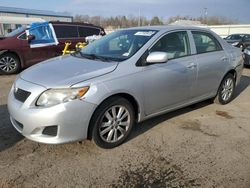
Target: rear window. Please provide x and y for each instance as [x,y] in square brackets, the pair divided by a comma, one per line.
[66,31]
[88,31]
[205,42]
[247,38]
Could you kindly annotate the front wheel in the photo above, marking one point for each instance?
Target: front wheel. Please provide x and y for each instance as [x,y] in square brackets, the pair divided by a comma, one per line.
[226,90]
[112,122]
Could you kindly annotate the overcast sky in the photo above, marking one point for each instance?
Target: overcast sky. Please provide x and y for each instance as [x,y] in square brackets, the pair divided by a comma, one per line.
[233,9]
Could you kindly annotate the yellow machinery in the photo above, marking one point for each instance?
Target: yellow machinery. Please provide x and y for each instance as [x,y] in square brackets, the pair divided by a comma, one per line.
[78,47]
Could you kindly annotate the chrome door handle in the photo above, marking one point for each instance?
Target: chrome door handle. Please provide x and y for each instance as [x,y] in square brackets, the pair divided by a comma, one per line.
[191,65]
[224,59]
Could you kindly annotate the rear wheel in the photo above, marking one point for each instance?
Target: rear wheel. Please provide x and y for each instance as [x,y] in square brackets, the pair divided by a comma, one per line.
[112,122]
[9,64]
[226,90]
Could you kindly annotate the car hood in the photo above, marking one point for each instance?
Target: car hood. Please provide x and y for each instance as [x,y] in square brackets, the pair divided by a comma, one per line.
[66,71]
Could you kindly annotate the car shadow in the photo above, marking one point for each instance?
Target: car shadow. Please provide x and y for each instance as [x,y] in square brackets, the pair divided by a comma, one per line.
[244,83]
[144,126]
[8,135]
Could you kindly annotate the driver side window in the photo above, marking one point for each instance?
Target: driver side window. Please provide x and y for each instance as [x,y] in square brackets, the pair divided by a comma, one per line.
[175,44]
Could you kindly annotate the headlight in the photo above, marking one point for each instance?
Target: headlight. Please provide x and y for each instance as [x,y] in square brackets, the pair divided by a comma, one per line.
[235,43]
[53,97]
[247,51]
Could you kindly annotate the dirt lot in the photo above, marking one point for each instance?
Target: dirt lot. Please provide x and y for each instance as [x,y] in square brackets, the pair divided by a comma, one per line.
[204,145]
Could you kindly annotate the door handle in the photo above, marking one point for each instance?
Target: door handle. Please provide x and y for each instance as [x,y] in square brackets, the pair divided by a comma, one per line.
[224,59]
[191,65]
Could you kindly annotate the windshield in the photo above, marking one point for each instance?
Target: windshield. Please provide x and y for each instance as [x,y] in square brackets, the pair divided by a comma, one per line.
[234,37]
[16,31]
[119,45]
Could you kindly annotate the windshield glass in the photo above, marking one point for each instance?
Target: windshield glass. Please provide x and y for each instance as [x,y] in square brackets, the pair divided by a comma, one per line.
[235,37]
[16,31]
[119,45]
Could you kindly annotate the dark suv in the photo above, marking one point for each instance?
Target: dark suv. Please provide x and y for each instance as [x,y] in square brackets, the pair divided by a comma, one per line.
[16,54]
[239,40]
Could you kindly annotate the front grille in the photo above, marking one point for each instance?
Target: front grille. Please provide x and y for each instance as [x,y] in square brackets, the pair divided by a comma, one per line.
[21,95]
[50,131]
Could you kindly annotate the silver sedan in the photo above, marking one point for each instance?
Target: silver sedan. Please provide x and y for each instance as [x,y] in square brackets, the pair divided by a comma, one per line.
[125,77]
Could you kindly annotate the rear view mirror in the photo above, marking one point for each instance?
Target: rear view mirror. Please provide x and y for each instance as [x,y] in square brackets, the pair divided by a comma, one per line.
[31,37]
[157,57]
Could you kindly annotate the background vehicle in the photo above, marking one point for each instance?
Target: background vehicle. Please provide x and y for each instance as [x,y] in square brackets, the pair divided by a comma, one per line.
[125,77]
[239,40]
[247,56]
[16,54]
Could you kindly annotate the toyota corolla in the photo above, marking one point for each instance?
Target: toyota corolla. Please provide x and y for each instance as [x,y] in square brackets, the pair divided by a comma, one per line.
[125,77]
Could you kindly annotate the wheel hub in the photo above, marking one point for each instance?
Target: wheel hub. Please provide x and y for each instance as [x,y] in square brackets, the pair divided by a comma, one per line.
[7,64]
[227,89]
[115,124]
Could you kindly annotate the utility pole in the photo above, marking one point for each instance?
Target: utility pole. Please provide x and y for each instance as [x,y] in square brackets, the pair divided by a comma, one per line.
[139,19]
[205,15]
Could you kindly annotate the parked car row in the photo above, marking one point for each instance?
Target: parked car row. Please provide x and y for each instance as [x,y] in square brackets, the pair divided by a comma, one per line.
[125,77]
[241,41]
[16,53]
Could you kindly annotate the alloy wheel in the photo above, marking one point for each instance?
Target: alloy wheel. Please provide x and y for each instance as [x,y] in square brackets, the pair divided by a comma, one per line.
[114,124]
[8,64]
[227,89]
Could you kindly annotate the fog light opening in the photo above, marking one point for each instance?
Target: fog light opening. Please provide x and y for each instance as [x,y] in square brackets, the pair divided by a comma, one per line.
[50,131]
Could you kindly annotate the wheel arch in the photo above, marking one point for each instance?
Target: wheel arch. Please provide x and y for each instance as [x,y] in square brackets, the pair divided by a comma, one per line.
[231,71]
[126,96]
[217,99]
[2,52]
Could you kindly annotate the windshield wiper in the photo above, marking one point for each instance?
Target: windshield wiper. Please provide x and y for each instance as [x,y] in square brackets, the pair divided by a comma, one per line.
[93,56]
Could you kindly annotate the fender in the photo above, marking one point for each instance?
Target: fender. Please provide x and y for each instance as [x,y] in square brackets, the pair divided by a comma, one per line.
[3,51]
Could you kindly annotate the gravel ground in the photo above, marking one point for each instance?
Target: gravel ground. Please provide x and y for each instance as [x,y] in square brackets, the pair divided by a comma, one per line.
[204,145]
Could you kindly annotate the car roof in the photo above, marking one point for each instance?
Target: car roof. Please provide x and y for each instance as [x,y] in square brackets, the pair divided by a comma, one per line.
[240,34]
[74,23]
[170,27]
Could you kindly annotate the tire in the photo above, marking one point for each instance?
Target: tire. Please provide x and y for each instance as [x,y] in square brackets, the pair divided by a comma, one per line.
[9,64]
[226,90]
[112,122]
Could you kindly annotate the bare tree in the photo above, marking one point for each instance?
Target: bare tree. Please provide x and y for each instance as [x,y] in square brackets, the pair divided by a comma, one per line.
[132,21]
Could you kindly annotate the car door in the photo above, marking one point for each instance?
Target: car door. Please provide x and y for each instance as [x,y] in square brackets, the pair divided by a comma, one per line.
[169,84]
[34,55]
[210,59]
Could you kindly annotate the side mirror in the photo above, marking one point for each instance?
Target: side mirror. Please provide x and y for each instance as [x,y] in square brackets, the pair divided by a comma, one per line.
[31,37]
[157,57]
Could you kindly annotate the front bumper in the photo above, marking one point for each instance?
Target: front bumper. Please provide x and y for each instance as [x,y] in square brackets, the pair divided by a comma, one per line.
[71,118]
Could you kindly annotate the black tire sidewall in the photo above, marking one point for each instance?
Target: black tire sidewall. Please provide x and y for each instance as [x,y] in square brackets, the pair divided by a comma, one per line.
[18,66]
[97,118]
[219,95]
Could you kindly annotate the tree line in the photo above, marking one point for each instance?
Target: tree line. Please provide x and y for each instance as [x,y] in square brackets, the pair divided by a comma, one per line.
[132,21]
